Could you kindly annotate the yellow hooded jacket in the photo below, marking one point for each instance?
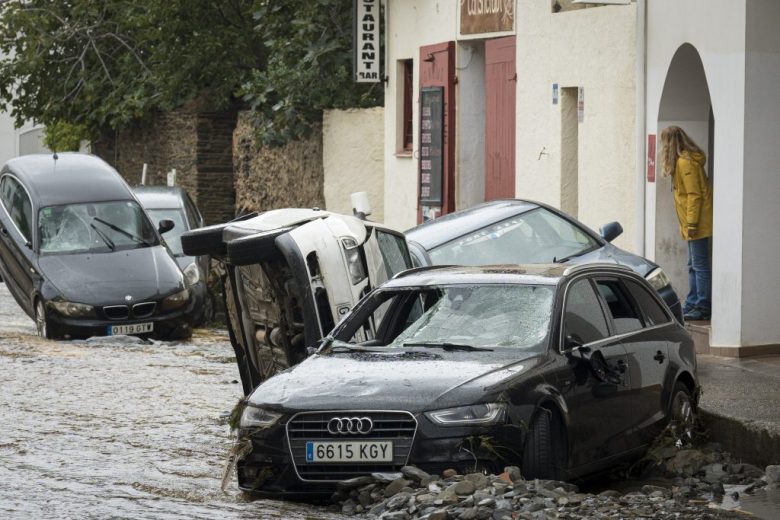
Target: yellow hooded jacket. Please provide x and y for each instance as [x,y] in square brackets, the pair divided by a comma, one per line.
[692,196]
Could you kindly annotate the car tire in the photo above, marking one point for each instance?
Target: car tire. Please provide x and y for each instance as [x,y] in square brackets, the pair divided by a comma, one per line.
[204,241]
[682,407]
[539,452]
[42,322]
[253,249]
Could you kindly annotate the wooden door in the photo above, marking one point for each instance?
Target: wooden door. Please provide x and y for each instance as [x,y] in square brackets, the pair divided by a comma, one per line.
[500,89]
[437,70]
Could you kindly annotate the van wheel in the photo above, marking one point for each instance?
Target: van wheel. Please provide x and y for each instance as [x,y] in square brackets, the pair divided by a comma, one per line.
[42,321]
[541,453]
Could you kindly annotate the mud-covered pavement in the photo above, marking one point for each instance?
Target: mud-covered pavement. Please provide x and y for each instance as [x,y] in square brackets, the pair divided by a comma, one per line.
[112,430]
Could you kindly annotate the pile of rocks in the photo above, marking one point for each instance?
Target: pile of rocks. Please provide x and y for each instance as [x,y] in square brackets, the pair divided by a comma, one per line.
[413,493]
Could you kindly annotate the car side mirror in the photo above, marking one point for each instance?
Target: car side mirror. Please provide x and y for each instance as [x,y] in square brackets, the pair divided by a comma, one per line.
[165,225]
[611,231]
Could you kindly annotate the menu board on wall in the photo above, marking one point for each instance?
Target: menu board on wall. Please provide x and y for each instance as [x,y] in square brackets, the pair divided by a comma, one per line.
[431,145]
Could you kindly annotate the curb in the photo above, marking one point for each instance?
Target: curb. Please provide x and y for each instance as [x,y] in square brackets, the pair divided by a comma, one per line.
[751,441]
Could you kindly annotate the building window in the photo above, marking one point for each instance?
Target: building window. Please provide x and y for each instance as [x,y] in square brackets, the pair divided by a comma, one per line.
[407,127]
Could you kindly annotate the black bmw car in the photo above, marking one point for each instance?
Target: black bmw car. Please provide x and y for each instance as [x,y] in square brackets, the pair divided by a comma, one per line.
[515,231]
[80,255]
[563,371]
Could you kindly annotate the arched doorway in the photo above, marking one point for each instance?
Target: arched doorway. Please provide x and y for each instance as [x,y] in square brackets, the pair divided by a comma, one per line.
[685,102]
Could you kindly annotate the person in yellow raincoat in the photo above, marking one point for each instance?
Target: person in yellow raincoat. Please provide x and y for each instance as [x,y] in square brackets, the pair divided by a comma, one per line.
[684,161]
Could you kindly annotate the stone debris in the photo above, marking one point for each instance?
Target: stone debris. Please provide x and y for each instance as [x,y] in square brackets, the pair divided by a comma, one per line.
[694,477]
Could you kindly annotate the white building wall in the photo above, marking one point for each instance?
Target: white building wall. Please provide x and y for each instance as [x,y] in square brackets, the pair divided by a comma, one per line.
[716,28]
[594,48]
[761,188]
[353,158]
[410,24]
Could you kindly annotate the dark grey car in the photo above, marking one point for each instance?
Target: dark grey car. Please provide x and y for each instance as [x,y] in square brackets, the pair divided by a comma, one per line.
[80,255]
[175,204]
[515,231]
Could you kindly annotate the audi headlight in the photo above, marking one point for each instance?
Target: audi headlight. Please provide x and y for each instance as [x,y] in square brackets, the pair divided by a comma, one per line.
[254,417]
[477,414]
[191,274]
[658,279]
[357,271]
[176,301]
[72,309]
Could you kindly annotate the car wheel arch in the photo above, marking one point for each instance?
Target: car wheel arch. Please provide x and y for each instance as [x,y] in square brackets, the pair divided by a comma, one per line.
[688,380]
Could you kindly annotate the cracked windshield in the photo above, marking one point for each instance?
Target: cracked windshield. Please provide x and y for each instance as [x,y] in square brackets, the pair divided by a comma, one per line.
[94,228]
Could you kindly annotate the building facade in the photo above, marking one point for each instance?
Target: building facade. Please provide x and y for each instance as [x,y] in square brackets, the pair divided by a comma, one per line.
[562,101]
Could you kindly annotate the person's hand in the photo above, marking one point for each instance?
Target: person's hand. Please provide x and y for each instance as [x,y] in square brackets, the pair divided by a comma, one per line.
[691,231]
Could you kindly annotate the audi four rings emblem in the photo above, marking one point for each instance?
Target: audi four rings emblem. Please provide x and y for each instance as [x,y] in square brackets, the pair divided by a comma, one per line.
[350,425]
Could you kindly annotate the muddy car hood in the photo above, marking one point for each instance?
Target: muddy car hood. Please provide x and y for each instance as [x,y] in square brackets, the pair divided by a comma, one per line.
[414,381]
[146,273]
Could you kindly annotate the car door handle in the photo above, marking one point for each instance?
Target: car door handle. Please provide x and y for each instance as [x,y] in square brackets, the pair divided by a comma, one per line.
[621,366]
[659,356]
[4,231]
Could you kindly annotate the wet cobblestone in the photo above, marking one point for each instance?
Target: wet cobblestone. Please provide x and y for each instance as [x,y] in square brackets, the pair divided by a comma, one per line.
[106,429]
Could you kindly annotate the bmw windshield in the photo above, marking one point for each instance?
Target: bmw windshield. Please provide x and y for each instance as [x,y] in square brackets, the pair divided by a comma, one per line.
[94,227]
[533,237]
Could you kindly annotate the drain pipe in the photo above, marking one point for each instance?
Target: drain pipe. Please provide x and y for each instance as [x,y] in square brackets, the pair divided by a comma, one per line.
[641,117]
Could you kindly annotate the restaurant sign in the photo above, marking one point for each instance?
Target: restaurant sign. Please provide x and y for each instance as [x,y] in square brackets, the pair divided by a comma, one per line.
[366,18]
[486,17]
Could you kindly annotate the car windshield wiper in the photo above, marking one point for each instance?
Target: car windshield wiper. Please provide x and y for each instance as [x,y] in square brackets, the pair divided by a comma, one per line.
[574,255]
[121,231]
[108,241]
[447,346]
[350,348]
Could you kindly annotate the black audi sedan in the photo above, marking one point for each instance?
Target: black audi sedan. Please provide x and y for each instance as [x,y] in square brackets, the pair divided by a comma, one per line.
[515,231]
[563,371]
[80,255]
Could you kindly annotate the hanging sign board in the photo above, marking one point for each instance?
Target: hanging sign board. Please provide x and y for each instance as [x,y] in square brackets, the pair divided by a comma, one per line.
[366,18]
[651,158]
[431,145]
[486,17]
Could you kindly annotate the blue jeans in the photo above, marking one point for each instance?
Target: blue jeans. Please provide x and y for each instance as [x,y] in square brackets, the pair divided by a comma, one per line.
[699,276]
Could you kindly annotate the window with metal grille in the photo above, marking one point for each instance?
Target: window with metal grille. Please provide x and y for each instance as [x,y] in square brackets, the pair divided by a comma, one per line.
[408,93]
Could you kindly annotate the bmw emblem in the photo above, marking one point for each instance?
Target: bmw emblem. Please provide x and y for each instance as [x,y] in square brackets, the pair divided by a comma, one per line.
[128,298]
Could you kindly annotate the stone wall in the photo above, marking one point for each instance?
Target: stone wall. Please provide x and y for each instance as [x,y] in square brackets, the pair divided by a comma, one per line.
[197,144]
[269,178]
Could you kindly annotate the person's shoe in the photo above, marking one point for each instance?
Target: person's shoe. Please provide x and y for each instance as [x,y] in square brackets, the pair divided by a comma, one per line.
[696,315]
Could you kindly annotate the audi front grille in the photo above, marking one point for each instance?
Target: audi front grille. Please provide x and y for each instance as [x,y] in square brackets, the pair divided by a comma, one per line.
[398,427]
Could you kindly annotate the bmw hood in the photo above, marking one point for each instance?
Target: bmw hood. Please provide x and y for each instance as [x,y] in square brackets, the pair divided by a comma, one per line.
[414,381]
[612,254]
[147,273]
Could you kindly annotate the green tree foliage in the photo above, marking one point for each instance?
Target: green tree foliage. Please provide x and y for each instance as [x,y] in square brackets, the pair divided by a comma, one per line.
[60,136]
[114,63]
[309,67]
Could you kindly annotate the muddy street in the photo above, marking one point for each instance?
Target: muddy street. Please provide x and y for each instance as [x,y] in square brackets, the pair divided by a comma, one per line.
[111,429]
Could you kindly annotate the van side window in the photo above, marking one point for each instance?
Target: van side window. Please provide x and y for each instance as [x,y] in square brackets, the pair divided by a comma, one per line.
[583,318]
[625,315]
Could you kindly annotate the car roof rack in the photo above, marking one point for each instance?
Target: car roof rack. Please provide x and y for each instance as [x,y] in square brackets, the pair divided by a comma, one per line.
[595,265]
[415,270]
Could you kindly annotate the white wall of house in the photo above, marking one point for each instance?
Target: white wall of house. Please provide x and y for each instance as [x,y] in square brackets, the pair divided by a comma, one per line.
[410,24]
[593,48]
[353,158]
[716,29]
